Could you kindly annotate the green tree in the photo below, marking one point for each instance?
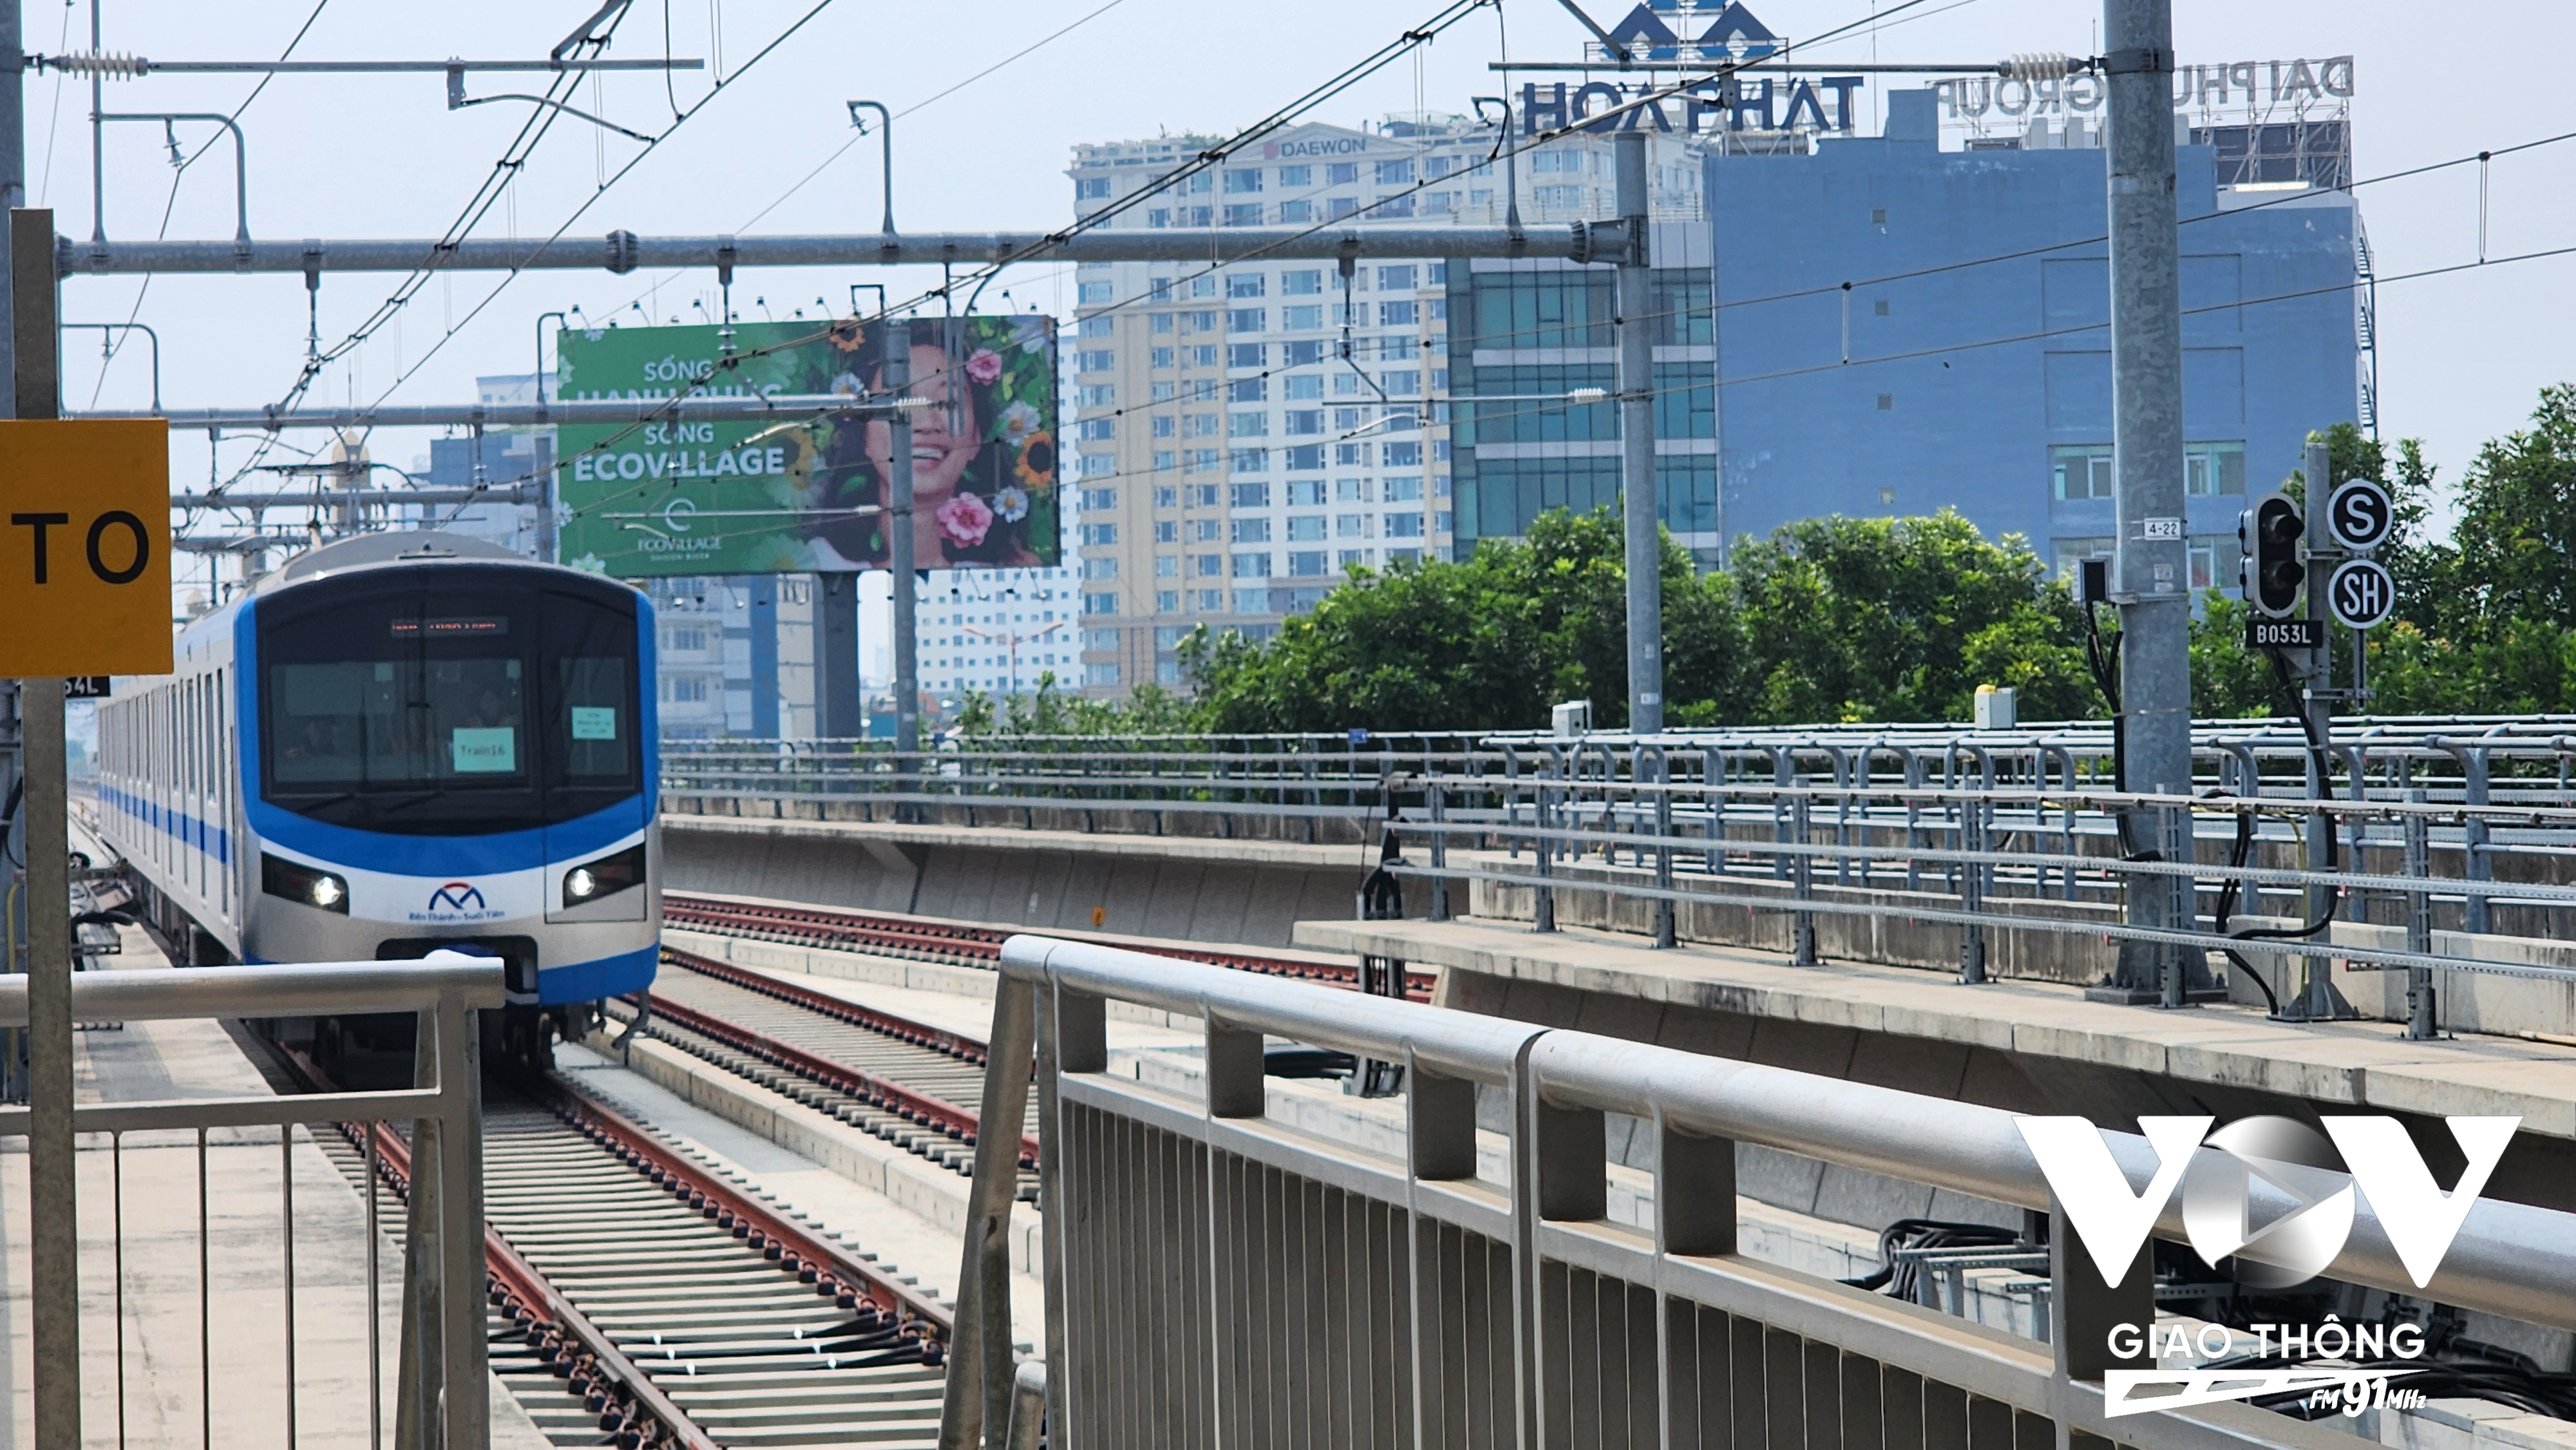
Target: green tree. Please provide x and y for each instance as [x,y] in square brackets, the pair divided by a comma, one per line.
[1901,619]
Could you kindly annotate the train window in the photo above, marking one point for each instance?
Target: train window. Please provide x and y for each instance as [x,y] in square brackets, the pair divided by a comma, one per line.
[395,709]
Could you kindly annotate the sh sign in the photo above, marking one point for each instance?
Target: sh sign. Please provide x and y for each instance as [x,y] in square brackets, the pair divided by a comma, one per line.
[85,547]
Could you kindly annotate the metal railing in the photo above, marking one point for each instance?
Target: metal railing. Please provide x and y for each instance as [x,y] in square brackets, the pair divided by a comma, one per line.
[2443,834]
[442,1378]
[1212,1276]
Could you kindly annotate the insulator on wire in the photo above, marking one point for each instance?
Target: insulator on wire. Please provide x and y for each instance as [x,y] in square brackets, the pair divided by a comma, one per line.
[2040,65]
[111,65]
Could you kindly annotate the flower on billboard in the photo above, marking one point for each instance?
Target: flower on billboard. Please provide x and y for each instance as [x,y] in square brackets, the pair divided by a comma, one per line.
[1012,503]
[1019,421]
[965,520]
[983,367]
[847,385]
[847,336]
[1036,463]
[1030,333]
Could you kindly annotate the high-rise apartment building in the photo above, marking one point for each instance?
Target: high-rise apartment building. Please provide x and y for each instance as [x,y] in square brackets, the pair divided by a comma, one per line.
[1248,433]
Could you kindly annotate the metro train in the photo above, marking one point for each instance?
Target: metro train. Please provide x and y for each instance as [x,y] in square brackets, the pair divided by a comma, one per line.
[400,742]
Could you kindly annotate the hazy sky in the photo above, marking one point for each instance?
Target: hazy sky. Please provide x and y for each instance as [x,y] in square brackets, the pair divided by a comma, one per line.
[377,156]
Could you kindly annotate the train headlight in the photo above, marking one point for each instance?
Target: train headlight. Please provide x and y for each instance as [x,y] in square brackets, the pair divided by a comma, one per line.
[301,883]
[594,880]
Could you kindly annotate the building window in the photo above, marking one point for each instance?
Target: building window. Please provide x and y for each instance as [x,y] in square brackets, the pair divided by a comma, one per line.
[1350,526]
[1208,566]
[1338,207]
[1100,603]
[1253,565]
[1244,182]
[1098,327]
[1251,495]
[1401,382]
[1166,496]
[1302,387]
[1404,526]
[1251,531]
[2213,468]
[1248,319]
[1100,536]
[1198,321]
[1100,498]
[1101,672]
[1095,430]
[1097,395]
[1088,293]
[1097,639]
[1399,348]
[1397,314]
[1100,569]
[1207,601]
[1161,357]
[1403,488]
[1167,601]
[1304,528]
[1167,531]
[1167,566]
[1164,426]
[1351,455]
[1247,390]
[1301,354]
[1341,173]
[1305,456]
[1245,284]
[1296,176]
[1248,460]
[1160,216]
[1395,173]
[2082,472]
[1407,454]
[1307,563]
[2071,552]
[1091,188]
[1306,493]
[1440,523]
[1200,355]
[1097,362]
[1304,422]
[1200,425]
[1251,601]
[1308,317]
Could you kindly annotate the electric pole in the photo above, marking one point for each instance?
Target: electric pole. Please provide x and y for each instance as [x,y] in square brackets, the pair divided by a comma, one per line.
[1638,506]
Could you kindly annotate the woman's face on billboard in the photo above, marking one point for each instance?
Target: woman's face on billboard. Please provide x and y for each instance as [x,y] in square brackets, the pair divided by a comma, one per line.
[945,436]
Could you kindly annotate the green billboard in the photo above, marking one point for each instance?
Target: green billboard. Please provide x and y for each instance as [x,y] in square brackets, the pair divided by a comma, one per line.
[763,498]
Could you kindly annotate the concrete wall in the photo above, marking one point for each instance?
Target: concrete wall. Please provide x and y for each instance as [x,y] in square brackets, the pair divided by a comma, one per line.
[1189,889]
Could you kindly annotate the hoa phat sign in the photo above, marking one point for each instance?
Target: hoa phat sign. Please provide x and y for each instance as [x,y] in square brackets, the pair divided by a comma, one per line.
[1687,31]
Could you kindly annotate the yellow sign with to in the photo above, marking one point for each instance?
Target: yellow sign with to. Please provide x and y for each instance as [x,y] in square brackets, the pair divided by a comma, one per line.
[84,547]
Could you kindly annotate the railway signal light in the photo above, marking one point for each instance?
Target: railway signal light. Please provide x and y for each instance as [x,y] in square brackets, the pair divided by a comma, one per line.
[2269,534]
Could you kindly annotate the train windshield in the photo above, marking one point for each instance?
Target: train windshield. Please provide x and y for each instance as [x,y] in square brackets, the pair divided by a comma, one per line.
[421,707]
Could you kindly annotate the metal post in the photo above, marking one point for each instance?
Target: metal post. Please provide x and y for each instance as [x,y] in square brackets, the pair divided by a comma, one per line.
[1543,911]
[1436,797]
[2174,844]
[1637,445]
[979,1389]
[897,380]
[1973,836]
[53,1206]
[1665,933]
[2151,576]
[416,1380]
[1802,875]
[2421,1023]
[464,1370]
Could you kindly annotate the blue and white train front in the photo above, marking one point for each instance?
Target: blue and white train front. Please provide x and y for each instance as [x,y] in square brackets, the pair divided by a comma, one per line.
[454,753]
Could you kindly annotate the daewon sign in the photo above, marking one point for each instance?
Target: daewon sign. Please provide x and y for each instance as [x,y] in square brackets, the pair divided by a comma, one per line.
[84,547]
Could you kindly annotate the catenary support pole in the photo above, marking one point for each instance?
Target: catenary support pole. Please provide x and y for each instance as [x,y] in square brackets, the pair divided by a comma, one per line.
[1637,445]
[2316,701]
[2151,579]
[899,551]
[838,713]
[13,185]
[53,1203]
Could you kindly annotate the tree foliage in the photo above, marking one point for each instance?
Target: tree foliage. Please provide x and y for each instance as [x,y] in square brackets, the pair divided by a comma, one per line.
[1841,619]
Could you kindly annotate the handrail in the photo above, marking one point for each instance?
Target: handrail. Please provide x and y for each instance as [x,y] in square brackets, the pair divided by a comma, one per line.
[318,990]
[2509,1259]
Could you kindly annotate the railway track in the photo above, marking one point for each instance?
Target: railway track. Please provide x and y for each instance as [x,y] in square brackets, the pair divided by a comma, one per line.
[913,1085]
[639,1299]
[933,939]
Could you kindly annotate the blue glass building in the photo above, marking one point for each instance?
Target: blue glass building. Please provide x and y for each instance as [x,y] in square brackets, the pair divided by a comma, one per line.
[1966,364]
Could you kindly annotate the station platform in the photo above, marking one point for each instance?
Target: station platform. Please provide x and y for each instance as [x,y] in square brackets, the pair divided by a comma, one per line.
[185,1340]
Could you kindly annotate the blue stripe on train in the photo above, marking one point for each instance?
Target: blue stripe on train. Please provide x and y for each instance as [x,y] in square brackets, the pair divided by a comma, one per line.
[203,835]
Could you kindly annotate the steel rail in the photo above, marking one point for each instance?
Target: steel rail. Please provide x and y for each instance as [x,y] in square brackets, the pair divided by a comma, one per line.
[878,1090]
[941,939]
